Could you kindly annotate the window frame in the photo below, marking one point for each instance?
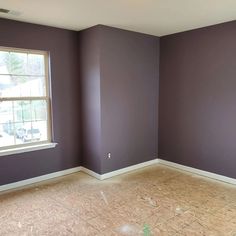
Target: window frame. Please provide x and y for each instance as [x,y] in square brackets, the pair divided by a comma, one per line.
[46,98]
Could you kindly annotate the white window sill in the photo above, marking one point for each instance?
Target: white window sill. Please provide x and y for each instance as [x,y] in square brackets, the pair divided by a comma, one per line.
[27,149]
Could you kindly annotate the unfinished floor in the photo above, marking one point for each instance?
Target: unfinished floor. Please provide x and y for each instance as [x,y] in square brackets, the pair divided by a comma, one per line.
[152,201]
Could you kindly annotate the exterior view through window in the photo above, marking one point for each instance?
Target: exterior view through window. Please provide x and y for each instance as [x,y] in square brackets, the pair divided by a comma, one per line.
[24,98]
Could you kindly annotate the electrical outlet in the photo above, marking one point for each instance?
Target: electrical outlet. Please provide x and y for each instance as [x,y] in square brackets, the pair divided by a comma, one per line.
[108,155]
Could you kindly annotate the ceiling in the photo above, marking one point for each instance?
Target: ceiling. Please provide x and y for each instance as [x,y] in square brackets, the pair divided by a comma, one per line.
[156,17]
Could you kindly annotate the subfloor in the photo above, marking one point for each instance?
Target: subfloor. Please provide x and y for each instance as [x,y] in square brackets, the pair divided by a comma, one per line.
[152,201]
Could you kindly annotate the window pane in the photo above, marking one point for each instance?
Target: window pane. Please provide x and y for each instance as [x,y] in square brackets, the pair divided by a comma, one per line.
[42,127]
[5,84]
[22,86]
[18,63]
[22,111]
[36,64]
[6,112]
[30,121]
[6,124]
[39,110]
[20,131]
[4,62]
[23,117]
[31,132]
[6,139]
[23,133]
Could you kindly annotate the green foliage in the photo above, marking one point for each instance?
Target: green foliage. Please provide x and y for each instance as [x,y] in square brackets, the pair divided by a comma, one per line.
[28,111]
[15,65]
[23,112]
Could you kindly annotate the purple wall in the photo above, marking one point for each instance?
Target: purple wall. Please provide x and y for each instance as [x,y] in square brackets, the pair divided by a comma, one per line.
[129,97]
[120,76]
[90,94]
[115,74]
[63,47]
[197,111]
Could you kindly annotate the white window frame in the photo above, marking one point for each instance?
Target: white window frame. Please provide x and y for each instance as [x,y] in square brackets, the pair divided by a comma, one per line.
[36,145]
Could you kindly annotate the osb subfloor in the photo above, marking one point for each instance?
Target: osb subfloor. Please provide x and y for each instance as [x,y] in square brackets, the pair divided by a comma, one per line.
[153,201]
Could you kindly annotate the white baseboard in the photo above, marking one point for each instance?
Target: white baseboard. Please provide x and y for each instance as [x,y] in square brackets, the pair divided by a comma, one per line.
[26,182]
[128,169]
[199,172]
[30,181]
[118,172]
[91,173]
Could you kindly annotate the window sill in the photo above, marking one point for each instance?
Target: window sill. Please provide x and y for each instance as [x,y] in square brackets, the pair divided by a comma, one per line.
[27,149]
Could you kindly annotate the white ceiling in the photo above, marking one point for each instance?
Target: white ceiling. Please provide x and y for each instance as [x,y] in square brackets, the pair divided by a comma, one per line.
[156,17]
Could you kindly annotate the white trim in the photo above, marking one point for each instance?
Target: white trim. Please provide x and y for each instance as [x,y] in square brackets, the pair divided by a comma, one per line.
[91,173]
[199,172]
[120,171]
[38,179]
[26,182]
[128,169]
[115,173]
[27,149]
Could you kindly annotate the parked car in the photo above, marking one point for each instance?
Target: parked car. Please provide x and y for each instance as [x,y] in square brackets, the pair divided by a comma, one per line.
[28,134]
[32,134]
[20,133]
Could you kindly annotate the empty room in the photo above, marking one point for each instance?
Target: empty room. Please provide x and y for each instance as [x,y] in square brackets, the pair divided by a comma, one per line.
[118,118]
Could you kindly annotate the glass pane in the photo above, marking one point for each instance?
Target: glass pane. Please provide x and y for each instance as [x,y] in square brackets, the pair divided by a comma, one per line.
[18,63]
[22,111]
[6,112]
[39,110]
[22,86]
[31,121]
[40,130]
[22,75]
[6,139]
[6,124]
[19,132]
[5,84]
[37,86]
[31,132]
[36,64]
[4,62]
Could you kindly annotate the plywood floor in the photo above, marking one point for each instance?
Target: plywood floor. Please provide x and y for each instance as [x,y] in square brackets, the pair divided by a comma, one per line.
[153,201]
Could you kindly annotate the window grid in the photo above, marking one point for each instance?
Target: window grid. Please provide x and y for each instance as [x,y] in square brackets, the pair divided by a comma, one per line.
[46,98]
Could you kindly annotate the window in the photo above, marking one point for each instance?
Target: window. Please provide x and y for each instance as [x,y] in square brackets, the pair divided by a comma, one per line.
[24,98]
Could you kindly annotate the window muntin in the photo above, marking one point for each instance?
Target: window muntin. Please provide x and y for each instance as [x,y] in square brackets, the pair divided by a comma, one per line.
[24,98]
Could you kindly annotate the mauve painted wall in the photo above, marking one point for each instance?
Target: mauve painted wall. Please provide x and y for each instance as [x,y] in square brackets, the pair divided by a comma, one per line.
[120,77]
[197,111]
[90,96]
[63,47]
[129,97]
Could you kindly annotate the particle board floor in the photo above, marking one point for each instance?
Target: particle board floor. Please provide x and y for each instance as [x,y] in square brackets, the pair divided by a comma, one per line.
[155,200]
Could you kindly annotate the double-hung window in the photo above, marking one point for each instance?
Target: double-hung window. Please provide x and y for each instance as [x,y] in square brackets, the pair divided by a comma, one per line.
[24,98]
